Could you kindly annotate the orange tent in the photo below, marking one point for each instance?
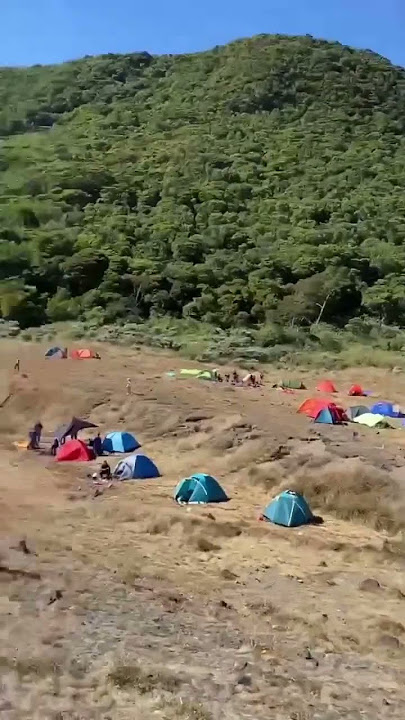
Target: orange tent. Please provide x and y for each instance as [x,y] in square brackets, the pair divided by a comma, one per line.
[326,386]
[356,391]
[312,407]
[84,354]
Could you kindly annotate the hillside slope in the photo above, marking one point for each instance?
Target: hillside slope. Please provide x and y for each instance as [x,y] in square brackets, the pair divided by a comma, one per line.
[260,181]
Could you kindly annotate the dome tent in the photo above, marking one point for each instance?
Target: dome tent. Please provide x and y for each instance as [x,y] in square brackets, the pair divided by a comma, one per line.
[56,353]
[373,420]
[331,415]
[120,442]
[84,354]
[326,386]
[356,410]
[387,409]
[136,467]
[356,391]
[199,488]
[291,384]
[289,509]
[74,451]
[312,407]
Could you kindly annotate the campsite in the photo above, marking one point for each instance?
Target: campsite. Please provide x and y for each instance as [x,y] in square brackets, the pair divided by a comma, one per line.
[127,604]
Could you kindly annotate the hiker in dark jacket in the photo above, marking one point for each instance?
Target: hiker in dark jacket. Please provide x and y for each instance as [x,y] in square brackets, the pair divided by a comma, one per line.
[98,445]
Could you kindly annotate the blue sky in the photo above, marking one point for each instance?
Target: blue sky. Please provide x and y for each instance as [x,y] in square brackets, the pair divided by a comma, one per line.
[46,31]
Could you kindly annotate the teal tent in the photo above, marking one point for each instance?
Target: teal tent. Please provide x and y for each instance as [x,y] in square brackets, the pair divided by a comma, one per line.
[289,509]
[199,488]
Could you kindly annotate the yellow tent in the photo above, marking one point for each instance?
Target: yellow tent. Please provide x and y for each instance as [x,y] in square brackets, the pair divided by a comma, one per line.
[372,420]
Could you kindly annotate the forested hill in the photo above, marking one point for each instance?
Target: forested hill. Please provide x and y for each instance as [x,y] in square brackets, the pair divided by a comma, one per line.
[263,181]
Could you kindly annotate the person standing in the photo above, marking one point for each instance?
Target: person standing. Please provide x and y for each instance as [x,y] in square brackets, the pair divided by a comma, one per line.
[38,432]
[129,386]
[54,447]
[17,365]
[98,445]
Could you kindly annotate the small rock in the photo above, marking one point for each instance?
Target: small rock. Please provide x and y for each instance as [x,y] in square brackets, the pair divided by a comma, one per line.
[22,545]
[369,585]
[245,680]
[56,596]
[228,575]
[389,641]
[224,604]
[240,666]
[386,702]
[98,493]
[323,564]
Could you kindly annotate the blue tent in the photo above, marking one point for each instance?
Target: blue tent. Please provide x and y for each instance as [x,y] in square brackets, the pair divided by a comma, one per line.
[199,488]
[120,442]
[136,467]
[387,409]
[56,352]
[325,416]
[289,509]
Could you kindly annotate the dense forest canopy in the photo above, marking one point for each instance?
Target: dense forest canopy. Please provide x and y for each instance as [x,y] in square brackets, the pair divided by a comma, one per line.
[259,182]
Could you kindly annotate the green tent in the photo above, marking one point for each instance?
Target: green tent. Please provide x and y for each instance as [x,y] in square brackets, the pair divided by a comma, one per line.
[292,385]
[199,374]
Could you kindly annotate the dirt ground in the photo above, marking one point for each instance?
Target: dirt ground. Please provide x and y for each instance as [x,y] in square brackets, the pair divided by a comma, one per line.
[126,606]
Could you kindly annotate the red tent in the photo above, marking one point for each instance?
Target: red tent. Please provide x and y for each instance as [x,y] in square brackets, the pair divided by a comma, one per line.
[338,413]
[83,354]
[313,406]
[356,391]
[74,450]
[326,386]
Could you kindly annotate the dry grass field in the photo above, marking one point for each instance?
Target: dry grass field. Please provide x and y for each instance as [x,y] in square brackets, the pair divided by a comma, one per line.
[129,607]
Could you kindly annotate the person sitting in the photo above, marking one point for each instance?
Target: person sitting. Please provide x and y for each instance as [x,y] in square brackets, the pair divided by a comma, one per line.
[105,471]
[235,377]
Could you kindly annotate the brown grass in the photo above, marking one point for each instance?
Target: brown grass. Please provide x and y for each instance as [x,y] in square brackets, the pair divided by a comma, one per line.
[352,491]
[143,681]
